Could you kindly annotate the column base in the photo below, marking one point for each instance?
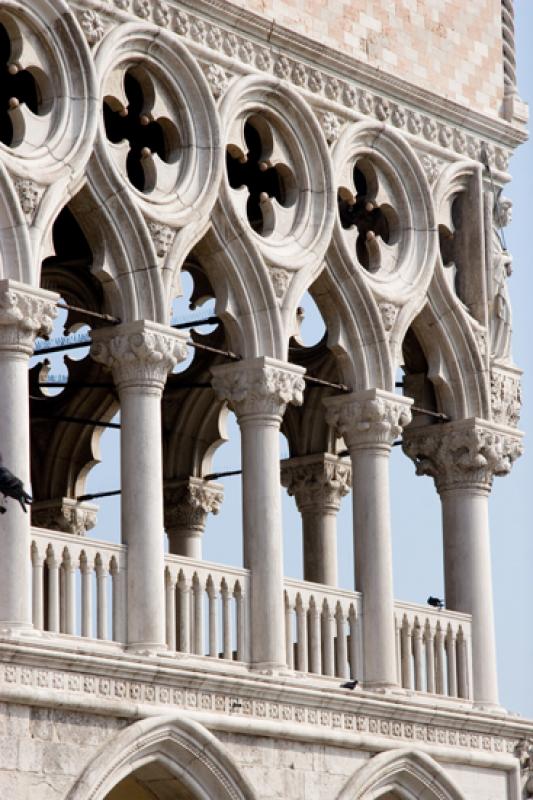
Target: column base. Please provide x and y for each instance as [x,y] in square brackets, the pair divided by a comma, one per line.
[147,648]
[270,668]
[19,630]
[489,707]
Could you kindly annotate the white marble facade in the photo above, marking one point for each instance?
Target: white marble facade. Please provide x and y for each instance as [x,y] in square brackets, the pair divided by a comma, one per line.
[144,138]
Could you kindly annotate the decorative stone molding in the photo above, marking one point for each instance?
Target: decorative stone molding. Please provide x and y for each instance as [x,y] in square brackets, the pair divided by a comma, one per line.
[162,237]
[505,394]
[431,166]
[188,502]
[331,125]
[30,194]
[139,353]
[65,514]
[463,454]
[259,386]
[25,313]
[92,26]
[318,483]
[368,418]
[388,312]
[217,78]
[281,279]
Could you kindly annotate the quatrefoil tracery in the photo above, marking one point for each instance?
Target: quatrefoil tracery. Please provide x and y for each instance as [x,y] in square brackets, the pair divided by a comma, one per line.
[139,128]
[259,167]
[25,97]
[370,214]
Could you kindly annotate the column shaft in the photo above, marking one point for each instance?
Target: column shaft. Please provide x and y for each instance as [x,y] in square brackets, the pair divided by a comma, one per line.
[320,546]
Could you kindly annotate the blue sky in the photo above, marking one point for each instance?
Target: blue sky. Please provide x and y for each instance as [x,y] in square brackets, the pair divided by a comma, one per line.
[415,505]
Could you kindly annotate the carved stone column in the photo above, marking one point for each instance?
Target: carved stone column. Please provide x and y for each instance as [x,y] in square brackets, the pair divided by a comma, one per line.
[258,390]
[370,421]
[140,355]
[318,484]
[187,504]
[463,457]
[25,313]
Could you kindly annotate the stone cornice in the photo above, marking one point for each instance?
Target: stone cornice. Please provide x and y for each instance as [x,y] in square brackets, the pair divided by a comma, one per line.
[318,482]
[465,454]
[109,682]
[368,418]
[259,386]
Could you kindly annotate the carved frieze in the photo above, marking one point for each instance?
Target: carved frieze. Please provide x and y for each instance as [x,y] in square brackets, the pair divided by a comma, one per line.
[368,418]
[259,386]
[505,395]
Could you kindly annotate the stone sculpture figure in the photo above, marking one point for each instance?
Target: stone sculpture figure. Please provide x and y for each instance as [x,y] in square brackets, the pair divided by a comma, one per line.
[499,302]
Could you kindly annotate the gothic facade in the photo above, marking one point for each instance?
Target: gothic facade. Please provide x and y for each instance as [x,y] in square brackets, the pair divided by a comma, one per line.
[353,150]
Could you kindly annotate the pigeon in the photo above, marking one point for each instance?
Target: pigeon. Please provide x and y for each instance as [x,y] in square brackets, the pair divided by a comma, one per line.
[349,685]
[11,486]
[436,602]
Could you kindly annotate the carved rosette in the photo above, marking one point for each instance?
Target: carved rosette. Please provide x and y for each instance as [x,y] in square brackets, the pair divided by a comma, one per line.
[259,386]
[139,353]
[64,514]
[318,483]
[25,313]
[188,502]
[505,395]
[466,454]
[368,418]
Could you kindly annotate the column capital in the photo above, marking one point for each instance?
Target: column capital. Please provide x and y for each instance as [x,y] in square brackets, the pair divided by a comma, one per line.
[368,418]
[317,482]
[139,353]
[259,386]
[64,514]
[189,501]
[464,454]
[25,313]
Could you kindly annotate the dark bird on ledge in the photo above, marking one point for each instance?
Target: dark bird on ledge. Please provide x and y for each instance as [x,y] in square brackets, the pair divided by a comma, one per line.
[349,685]
[436,602]
[11,486]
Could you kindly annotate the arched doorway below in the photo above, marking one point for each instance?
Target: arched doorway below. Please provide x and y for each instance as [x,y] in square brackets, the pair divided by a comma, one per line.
[153,781]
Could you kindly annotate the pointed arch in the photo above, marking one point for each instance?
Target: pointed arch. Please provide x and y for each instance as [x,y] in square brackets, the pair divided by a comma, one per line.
[181,746]
[407,774]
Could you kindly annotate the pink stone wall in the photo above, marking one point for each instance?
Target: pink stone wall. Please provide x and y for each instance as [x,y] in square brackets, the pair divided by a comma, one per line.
[451,47]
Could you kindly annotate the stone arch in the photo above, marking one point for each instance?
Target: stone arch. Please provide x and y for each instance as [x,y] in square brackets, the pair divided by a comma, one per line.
[404,774]
[185,749]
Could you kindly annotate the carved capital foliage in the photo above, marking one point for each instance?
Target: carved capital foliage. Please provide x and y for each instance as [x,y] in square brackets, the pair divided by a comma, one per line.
[139,353]
[64,514]
[464,454]
[318,483]
[372,417]
[259,386]
[505,394]
[25,313]
[188,502]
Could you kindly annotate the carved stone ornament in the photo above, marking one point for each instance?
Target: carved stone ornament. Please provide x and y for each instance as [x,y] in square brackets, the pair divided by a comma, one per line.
[139,353]
[431,167]
[463,454]
[331,125]
[503,212]
[92,26]
[318,483]
[217,78]
[162,237]
[280,280]
[505,395]
[64,514]
[388,312]
[259,385]
[25,313]
[188,502]
[29,195]
[371,417]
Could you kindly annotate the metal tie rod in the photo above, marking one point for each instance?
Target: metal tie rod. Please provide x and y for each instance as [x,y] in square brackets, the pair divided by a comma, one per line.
[83,497]
[87,313]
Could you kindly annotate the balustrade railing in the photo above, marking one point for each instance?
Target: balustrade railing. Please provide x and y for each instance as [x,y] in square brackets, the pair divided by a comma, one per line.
[433,650]
[206,608]
[78,585]
[323,629]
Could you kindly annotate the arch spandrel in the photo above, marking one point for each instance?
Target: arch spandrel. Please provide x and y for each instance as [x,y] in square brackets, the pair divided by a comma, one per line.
[401,775]
[187,750]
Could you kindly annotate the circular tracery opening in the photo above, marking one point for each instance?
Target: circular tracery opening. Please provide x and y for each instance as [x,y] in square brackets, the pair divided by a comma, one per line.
[265,178]
[376,222]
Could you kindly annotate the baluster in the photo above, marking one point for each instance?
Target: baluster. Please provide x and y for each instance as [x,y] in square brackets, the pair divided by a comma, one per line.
[170,610]
[451,659]
[184,614]
[212,597]
[119,601]
[354,659]
[69,596]
[440,670]
[315,645]
[462,664]
[239,603]
[407,659]
[53,590]
[198,594]
[430,657]
[418,656]
[328,644]
[289,649]
[86,595]
[101,598]
[37,588]
[302,651]
[340,646]
[226,620]
[62,591]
